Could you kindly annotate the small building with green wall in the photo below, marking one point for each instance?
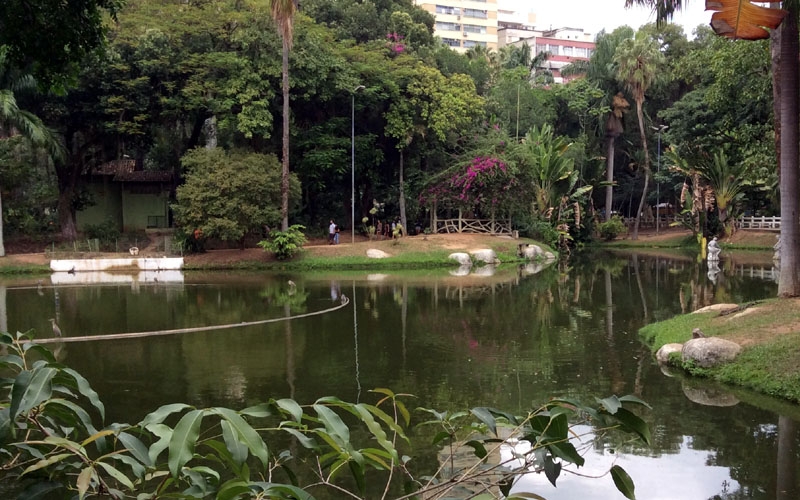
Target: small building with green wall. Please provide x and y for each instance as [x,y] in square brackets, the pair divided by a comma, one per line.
[133,199]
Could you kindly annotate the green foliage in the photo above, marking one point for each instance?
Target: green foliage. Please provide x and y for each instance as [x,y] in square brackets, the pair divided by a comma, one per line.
[228,194]
[49,441]
[106,232]
[611,228]
[285,244]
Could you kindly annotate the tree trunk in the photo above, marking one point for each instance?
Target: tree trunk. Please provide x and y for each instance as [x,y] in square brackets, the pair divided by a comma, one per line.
[788,284]
[787,449]
[2,244]
[66,217]
[775,53]
[402,196]
[609,176]
[285,152]
[640,116]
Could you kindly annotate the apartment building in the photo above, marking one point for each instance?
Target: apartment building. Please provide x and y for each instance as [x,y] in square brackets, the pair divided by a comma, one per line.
[463,24]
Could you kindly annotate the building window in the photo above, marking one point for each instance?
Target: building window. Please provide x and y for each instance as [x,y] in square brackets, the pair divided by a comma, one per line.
[478,14]
[451,42]
[473,28]
[448,26]
[472,43]
[444,9]
[566,51]
[581,52]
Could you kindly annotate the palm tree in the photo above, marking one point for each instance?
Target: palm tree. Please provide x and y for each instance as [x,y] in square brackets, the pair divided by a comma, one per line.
[599,72]
[726,183]
[283,12]
[19,122]
[638,61]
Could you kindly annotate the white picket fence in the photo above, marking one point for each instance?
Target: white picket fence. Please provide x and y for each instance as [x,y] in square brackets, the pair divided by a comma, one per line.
[761,223]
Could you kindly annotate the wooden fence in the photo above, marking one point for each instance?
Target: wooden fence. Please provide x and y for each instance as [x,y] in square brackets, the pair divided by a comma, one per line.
[464,225]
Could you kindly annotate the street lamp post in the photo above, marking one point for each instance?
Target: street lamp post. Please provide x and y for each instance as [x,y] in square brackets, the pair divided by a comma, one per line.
[658,169]
[353,165]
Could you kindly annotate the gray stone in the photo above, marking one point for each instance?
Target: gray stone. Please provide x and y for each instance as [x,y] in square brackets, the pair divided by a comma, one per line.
[549,256]
[662,356]
[530,252]
[462,258]
[485,255]
[710,351]
[374,253]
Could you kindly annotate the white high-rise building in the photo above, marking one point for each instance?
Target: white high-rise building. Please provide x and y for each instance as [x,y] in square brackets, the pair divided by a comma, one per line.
[463,24]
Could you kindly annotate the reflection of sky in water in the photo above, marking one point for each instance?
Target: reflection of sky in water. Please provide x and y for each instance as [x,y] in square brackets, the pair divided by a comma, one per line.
[684,475]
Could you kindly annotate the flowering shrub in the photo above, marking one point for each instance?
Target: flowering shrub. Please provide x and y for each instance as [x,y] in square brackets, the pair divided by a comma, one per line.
[486,183]
[396,45]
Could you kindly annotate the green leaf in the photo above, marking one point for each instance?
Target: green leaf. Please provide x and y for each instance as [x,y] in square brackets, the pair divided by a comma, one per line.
[610,404]
[566,451]
[237,449]
[83,481]
[246,433]
[485,416]
[623,482]
[86,389]
[633,399]
[233,489]
[136,447]
[357,470]
[258,411]
[333,424]
[552,469]
[160,414]
[291,407]
[6,429]
[632,423]
[376,429]
[30,389]
[116,474]
[480,450]
[83,417]
[47,462]
[12,360]
[305,440]
[441,436]
[164,433]
[137,468]
[183,440]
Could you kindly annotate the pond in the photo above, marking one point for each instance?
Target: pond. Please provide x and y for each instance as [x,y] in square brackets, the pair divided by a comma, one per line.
[510,338]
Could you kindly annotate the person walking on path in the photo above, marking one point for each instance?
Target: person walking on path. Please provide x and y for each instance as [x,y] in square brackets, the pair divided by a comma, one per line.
[331,232]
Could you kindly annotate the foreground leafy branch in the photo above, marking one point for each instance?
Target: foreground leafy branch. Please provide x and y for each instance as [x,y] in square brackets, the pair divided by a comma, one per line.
[279,449]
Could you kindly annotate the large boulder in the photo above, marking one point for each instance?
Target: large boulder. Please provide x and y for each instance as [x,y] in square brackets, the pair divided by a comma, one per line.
[485,255]
[530,251]
[462,258]
[374,253]
[709,351]
[662,356]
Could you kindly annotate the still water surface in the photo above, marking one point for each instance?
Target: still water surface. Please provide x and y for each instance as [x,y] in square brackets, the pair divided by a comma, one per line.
[511,341]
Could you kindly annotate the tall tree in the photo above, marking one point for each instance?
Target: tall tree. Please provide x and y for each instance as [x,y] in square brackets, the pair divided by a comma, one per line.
[15,121]
[428,104]
[283,12]
[600,72]
[638,61]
